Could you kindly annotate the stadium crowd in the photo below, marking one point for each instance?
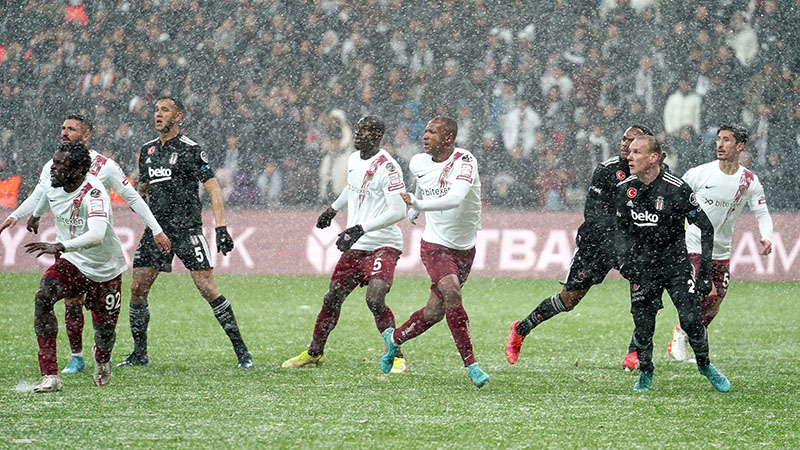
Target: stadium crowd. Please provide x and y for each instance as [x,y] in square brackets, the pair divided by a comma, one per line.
[272,88]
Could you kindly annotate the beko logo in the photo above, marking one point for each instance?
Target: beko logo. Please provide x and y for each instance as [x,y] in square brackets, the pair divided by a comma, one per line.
[159,172]
[644,216]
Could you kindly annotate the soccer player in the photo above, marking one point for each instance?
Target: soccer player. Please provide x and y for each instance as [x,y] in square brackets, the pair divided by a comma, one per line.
[449,191]
[372,242]
[652,205]
[594,253]
[89,261]
[170,168]
[723,187]
[77,128]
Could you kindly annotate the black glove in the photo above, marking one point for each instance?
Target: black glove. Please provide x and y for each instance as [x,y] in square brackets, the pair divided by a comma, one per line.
[349,237]
[703,284]
[224,241]
[324,220]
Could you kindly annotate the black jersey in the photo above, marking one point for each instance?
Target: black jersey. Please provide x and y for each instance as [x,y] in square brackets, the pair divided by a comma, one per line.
[651,222]
[172,172]
[599,212]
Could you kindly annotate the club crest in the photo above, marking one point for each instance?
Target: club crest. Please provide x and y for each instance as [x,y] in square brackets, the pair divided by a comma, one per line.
[173,158]
[659,203]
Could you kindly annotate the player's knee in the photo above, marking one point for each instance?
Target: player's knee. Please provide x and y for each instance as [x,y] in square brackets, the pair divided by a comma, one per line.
[333,300]
[139,290]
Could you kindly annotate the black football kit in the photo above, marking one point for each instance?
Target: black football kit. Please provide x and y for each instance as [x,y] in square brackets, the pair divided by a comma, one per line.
[652,255]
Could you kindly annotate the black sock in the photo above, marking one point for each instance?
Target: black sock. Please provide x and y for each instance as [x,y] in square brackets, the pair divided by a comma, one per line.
[224,314]
[139,318]
[548,308]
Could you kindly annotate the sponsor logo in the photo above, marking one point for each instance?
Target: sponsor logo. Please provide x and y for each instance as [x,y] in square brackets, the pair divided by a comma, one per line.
[644,216]
[693,199]
[390,167]
[708,186]
[95,193]
[204,156]
[173,158]
[151,150]
[466,159]
[435,192]
[71,222]
[659,203]
[620,175]
[159,172]
[631,192]
[96,206]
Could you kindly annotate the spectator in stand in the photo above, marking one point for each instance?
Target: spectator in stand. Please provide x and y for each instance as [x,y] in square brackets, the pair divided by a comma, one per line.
[682,109]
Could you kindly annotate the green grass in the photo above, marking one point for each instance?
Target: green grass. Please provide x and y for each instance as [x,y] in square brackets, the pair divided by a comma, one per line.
[567,390]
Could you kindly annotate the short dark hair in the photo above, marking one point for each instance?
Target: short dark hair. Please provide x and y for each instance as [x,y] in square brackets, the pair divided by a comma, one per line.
[78,155]
[739,132]
[87,124]
[178,103]
[449,124]
[375,122]
[647,131]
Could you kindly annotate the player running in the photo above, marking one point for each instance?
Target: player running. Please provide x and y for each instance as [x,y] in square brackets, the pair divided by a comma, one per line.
[723,188]
[594,253]
[449,191]
[89,260]
[372,242]
[652,205]
[77,128]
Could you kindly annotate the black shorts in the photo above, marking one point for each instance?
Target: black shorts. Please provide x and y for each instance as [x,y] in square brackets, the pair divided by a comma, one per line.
[676,278]
[190,246]
[594,257]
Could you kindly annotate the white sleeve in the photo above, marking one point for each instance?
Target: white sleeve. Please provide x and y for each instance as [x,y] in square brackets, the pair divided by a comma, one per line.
[92,238]
[341,200]
[117,181]
[392,215]
[42,207]
[29,205]
[451,200]
[413,213]
[758,204]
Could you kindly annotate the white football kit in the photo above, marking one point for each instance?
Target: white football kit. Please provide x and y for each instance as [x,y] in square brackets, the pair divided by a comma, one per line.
[450,194]
[85,225]
[371,184]
[110,175]
[723,197]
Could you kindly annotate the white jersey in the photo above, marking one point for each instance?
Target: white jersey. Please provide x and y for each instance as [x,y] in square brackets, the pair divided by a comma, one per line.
[72,212]
[110,175]
[369,182]
[723,197]
[455,228]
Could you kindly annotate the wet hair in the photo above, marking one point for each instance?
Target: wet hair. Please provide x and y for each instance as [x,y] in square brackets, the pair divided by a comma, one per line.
[85,122]
[78,155]
[647,131]
[450,125]
[178,103]
[653,145]
[739,132]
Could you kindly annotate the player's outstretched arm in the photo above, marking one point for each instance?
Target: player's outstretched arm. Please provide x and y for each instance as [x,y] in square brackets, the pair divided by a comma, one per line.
[120,184]
[224,240]
[457,193]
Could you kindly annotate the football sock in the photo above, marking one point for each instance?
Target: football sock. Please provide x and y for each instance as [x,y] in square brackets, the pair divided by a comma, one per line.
[708,305]
[73,320]
[548,308]
[139,318]
[384,321]
[104,337]
[414,326]
[458,322]
[326,321]
[223,311]
[699,343]
[48,365]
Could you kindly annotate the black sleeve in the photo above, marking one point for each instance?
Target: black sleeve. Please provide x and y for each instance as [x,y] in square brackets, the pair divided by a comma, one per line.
[622,238]
[144,175]
[599,210]
[200,165]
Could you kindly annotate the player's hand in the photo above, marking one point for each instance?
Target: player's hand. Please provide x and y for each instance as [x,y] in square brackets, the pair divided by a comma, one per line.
[349,237]
[703,284]
[33,224]
[766,247]
[413,214]
[8,223]
[163,243]
[44,248]
[406,198]
[324,220]
[224,240]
